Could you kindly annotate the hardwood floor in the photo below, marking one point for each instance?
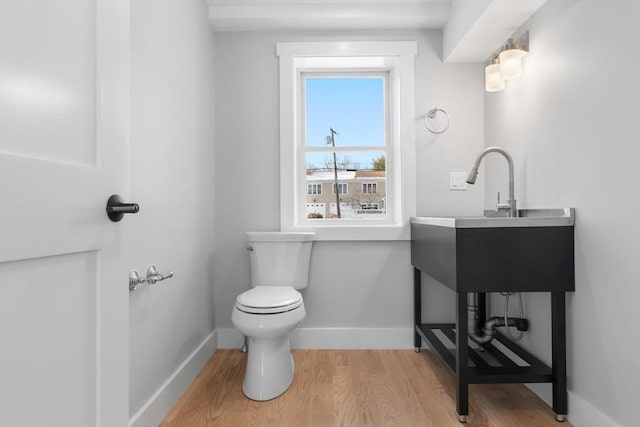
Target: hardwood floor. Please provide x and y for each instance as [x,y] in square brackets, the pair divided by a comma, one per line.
[354,388]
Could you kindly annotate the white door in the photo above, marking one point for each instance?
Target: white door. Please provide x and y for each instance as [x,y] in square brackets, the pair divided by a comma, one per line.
[64,128]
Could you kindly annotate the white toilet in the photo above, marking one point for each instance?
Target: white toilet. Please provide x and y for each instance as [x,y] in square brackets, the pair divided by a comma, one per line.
[272,309]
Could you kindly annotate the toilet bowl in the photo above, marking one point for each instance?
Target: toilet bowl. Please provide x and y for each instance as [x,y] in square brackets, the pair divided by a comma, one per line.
[270,367]
[272,309]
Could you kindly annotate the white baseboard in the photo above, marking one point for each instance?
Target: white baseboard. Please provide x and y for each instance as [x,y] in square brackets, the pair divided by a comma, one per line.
[584,414]
[581,412]
[163,400]
[333,338]
[229,338]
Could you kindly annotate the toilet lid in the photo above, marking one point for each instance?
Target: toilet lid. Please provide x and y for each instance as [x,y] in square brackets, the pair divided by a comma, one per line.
[269,299]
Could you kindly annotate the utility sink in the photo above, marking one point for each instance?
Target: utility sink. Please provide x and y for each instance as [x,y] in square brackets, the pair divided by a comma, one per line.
[526,218]
[533,252]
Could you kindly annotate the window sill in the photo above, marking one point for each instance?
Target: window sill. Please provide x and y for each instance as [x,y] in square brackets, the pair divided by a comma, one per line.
[356,233]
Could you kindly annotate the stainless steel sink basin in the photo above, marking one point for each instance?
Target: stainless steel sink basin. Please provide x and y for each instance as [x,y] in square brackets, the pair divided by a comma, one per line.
[562,217]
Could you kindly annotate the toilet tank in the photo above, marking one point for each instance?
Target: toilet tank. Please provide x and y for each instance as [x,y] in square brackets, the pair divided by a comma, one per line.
[280,258]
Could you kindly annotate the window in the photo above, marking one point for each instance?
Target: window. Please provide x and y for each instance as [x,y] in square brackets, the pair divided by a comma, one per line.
[346,117]
[314,188]
[369,187]
[342,188]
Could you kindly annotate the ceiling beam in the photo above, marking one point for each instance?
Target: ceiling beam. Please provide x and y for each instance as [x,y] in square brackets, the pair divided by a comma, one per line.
[477,28]
[257,15]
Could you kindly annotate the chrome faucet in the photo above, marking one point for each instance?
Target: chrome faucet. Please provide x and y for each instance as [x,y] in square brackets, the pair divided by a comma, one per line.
[510,206]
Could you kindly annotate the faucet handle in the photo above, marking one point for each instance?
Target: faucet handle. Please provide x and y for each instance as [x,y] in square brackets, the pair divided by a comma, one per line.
[502,207]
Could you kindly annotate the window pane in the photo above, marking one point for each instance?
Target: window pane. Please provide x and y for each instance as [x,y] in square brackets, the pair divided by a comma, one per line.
[342,188]
[352,106]
[361,180]
[314,189]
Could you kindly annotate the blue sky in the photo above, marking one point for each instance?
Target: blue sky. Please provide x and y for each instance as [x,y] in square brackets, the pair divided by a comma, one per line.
[354,107]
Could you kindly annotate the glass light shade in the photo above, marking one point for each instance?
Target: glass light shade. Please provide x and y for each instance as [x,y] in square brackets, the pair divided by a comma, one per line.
[511,63]
[492,80]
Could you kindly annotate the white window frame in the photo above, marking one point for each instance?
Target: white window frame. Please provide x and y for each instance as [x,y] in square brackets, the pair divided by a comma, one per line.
[395,58]
[340,184]
[316,185]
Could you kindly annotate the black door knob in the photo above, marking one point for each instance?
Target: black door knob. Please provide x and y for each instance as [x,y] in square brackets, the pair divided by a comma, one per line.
[116,208]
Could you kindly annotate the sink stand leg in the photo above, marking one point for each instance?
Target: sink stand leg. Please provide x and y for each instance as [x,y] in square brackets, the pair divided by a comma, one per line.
[559,353]
[417,308]
[462,357]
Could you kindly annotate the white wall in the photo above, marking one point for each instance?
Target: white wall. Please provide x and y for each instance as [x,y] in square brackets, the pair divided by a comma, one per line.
[571,124]
[172,178]
[353,284]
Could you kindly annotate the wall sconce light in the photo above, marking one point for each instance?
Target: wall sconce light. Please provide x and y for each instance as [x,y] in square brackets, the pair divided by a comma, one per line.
[508,63]
[493,81]
[511,58]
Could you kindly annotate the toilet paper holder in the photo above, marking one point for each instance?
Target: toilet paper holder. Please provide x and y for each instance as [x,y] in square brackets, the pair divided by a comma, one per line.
[153,277]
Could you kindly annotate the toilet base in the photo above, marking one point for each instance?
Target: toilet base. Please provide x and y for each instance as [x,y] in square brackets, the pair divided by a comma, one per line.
[270,368]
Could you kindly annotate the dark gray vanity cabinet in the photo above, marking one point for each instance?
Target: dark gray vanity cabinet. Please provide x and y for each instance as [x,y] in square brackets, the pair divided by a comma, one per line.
[528,254]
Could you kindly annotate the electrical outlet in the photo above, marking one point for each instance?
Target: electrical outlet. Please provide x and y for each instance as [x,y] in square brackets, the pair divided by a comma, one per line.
[458,181]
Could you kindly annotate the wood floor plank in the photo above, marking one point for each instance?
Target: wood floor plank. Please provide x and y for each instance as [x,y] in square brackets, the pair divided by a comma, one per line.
[354,388]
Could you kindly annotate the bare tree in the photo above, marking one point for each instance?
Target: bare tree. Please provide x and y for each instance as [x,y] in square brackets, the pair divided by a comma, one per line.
[360,199]
[343,163]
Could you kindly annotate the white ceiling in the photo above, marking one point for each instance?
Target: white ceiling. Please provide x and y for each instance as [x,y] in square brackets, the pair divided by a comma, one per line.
[252,15]
[472,29]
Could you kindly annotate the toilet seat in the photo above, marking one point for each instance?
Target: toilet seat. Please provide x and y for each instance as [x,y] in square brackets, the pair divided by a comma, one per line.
[269,300]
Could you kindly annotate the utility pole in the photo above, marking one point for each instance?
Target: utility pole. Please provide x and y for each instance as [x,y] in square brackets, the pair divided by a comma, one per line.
[332,140]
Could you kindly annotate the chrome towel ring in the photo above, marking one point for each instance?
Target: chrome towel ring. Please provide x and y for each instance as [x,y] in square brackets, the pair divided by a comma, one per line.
[436,121]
